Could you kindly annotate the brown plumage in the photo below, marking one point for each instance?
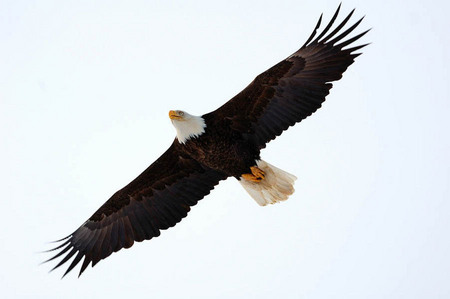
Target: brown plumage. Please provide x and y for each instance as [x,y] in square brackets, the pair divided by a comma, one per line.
[229,145]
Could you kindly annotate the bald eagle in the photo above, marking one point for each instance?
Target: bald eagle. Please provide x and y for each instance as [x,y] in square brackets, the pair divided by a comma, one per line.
[224,143]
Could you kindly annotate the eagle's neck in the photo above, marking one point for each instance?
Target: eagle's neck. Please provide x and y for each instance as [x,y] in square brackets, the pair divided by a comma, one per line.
[191,127]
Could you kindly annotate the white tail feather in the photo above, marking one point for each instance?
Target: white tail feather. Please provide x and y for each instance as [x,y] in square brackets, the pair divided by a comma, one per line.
[275,187]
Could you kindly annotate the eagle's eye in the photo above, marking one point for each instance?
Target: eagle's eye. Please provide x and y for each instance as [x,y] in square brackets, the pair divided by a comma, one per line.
[181,113]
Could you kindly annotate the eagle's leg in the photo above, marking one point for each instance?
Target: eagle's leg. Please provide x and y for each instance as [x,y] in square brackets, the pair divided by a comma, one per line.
[256,175]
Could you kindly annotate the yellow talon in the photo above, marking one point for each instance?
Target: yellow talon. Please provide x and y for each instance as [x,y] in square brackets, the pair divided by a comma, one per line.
[257,172]
[256,176]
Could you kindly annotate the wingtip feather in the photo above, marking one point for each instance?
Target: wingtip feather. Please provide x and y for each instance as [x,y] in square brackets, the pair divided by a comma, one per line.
[330,23]
[314,31]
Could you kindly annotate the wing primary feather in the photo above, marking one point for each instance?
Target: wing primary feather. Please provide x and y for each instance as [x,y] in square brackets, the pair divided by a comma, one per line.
[339,27]
[79,237]
[329,24]
[313,33]
[105,249]
[89,244]
[86,261]
[57,241]
[353,56]
[81,252]
[66,258]
[346,32]
[74,263]
[97,247]
[59,254]
[58,247]
[353,39]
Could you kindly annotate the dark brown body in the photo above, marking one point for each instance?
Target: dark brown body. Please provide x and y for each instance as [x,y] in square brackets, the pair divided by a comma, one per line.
[222,148]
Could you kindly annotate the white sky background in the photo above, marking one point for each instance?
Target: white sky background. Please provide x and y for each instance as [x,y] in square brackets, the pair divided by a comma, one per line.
[85,89]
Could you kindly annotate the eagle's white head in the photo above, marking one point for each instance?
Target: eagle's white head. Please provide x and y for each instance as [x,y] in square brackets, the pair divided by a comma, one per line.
[188,126]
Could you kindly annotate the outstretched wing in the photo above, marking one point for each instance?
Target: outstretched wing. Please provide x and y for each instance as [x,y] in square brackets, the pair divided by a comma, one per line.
[157,199]
[294,88]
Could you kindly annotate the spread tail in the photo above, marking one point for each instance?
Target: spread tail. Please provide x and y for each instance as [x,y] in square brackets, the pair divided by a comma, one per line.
[276,186]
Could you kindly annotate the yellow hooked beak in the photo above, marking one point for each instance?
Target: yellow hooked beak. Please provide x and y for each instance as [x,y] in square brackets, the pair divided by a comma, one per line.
[174,115]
